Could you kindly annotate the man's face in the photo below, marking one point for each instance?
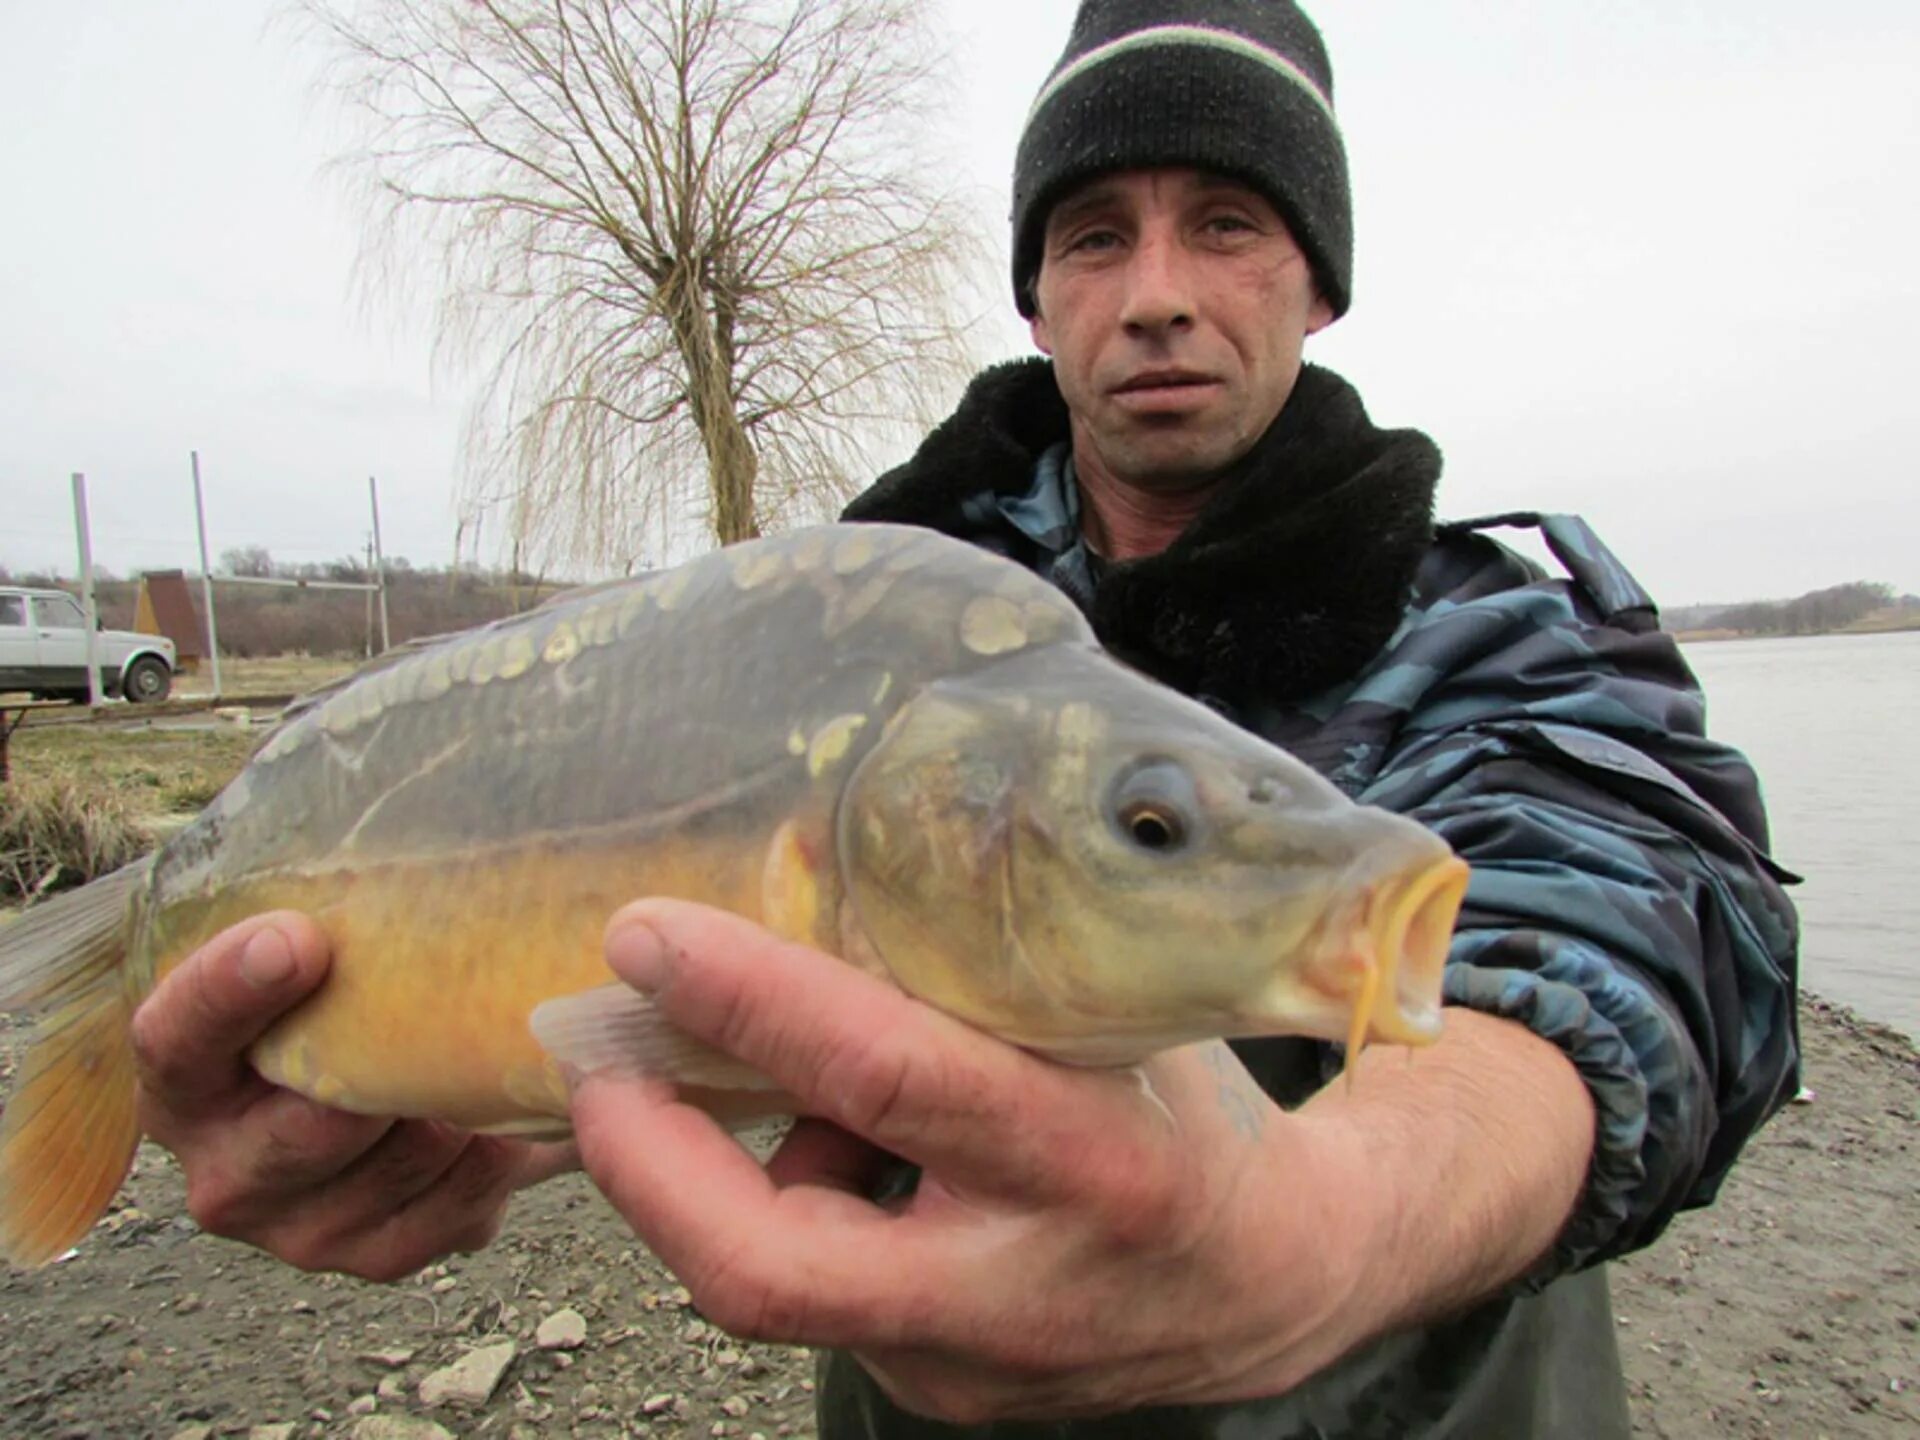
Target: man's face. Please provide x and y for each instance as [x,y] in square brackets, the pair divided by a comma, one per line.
[1175,305]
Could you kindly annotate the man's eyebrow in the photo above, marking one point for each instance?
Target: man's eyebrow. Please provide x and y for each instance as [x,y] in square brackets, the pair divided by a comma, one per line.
[1091,197]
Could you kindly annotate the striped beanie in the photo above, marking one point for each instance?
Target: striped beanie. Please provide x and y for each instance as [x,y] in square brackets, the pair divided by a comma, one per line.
[1238,87]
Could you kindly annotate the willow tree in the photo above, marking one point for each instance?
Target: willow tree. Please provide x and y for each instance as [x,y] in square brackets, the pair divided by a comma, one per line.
[692,245]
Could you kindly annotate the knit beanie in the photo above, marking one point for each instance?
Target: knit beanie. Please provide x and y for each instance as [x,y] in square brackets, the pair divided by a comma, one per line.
[1241,88]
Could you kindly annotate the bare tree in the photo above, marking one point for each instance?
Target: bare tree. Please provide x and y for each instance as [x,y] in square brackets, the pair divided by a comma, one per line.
[247,560]
[694,243]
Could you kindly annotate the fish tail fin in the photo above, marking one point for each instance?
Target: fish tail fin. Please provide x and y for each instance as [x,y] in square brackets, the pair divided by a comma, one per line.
[68,1132]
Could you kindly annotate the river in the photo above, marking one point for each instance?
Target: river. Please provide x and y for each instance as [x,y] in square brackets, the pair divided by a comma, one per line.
[1830,723]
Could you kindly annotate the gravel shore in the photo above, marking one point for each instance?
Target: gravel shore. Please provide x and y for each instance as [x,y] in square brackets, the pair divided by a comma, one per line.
[1791,1308]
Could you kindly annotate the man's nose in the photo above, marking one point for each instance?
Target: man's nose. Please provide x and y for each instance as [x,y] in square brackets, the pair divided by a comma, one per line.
[1159,292]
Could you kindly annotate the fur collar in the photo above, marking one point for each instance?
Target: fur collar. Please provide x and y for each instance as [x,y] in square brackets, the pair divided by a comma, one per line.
[1291,580]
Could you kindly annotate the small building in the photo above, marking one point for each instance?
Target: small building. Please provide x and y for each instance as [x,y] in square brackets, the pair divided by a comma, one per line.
[165,607]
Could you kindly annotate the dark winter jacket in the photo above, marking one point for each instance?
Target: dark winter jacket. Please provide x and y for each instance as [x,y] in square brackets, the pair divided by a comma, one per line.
[1622,904]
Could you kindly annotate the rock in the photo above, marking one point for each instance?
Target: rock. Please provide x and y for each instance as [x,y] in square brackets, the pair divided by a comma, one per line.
[193,1432]
[734,1406]
[562,1330]
[393,1390]
[272,1432]
[393,1359]
[363,1405]
[470,1381]
[445,1283]
[657,1404]
[398,1427]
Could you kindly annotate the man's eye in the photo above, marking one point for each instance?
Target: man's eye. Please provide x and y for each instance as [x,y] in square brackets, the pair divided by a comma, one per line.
[1229,224]
[1094,240]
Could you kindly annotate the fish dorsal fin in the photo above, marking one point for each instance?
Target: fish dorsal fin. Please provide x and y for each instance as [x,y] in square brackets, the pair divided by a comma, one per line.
[617,1028]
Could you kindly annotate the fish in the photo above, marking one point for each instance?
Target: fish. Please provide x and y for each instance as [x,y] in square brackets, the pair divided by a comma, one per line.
[876,740]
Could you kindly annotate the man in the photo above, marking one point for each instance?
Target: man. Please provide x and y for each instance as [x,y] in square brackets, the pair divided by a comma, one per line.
[1235,1248]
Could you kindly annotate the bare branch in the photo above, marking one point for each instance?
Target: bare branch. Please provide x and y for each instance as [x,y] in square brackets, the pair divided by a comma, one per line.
[693,247]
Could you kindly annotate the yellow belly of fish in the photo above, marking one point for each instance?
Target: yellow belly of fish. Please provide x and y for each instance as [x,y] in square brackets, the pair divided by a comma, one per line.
[437,965]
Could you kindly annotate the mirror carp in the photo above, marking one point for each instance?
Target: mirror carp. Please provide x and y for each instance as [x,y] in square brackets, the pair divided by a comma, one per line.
[876,740]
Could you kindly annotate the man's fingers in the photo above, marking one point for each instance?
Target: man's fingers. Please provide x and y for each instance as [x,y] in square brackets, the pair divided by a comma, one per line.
[801,1264]
[190,1035]
[546,1160]
[853,1050]
[422,1191]
[818,1152]
[247,1169]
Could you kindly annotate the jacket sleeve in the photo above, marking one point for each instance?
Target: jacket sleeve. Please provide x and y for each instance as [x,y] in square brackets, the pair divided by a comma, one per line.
[1622,904]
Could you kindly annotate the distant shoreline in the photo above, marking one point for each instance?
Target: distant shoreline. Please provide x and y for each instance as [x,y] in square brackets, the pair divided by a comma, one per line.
[1692,637]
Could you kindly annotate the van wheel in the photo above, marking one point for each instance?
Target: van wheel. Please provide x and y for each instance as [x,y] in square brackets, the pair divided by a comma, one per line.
[148,681]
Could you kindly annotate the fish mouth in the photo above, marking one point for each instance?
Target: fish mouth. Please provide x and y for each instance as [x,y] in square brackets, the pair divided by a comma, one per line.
[1412,931]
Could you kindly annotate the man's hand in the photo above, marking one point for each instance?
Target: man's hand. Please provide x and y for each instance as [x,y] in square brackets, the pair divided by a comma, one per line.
[319,1188]
[1081,1241]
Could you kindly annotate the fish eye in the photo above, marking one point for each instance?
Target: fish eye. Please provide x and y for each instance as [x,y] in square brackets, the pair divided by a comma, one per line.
[1153,805]
[1153,827]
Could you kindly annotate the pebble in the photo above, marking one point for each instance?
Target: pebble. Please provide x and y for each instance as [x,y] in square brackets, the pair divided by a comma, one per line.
[657,1404]
[470,1380]
[734,1406]
[562,1330]
[363,1405]
[393,1390]
[193,1432]
[392,1359]
[272,1432]
[398,1427]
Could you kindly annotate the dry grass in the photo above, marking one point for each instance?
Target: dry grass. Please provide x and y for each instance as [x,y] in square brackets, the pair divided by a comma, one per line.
[86,799]
[270,675]
[154,774]
[57,833]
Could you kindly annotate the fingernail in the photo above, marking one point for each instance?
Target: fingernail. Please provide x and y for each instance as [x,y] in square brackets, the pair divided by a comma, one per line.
[638,954]
[267,960]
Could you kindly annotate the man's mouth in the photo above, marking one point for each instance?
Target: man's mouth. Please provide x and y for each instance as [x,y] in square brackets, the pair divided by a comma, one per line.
[1165,395]
[1150,381]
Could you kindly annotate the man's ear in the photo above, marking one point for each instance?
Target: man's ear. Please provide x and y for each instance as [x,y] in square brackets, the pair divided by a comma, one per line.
[1319,314]
[1037,327]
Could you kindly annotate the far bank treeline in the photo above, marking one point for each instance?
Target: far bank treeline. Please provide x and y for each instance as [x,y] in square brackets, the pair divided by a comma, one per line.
[1859,605]
[258,620]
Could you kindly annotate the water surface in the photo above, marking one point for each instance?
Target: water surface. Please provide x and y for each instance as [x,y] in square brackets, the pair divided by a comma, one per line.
[1829,722]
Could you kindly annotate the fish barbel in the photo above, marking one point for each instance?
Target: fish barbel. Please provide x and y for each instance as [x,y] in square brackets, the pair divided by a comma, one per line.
[875,740]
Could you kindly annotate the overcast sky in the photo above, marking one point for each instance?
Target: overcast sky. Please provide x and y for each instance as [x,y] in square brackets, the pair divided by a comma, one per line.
[1653,261]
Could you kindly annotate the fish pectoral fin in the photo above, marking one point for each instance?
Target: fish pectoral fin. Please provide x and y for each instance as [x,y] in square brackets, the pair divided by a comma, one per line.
[616,1028]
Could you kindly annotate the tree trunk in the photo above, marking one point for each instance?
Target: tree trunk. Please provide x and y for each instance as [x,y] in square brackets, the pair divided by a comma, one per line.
[732,464]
